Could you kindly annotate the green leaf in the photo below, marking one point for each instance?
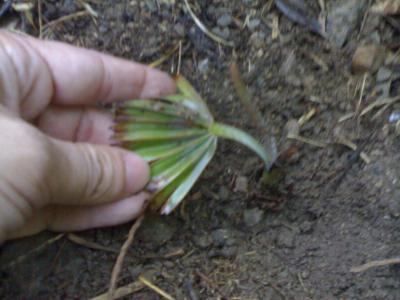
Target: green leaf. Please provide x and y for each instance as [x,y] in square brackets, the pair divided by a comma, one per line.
[159,134]
[156,150]
[161,196]
[161,107]
[187,90]
[242,137]
[178,137]
[189,181]
[166,170]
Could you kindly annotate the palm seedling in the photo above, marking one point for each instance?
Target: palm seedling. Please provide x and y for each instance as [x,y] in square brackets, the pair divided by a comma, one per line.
[178,136]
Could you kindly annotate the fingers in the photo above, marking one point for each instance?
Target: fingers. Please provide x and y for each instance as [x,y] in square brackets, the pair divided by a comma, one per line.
[71,218]
[82,76]
[39,72]
[87,174]
[77,124]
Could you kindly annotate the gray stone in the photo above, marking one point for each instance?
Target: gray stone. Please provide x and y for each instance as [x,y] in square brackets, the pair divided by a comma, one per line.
[252,216]
[343,17]
[156,231]
[394,116]
[224,20]
[306,227]
[179,30]
[258,39]
[383,74]
[202,241]
[286,239]
[223,237]
[228,252]
[225,252]
[241,184]
[203,66]
[221,32]
[223,193]
[368,58]
[251,165]
[253,24]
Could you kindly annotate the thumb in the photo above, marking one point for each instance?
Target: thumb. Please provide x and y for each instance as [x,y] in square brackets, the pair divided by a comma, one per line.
[87,174]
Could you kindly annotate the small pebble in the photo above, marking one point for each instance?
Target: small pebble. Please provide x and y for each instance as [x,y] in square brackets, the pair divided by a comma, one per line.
[179,30]
[223,237]
[368,58]
[222,33]
[168,264]
[225,252]
[394,117]
[253,24]
[156,231]
[224,20]
[203,66]
[306,227]
[223,193]
[241,184]
[202,241]
[286,239]
[252,216]
[257,39]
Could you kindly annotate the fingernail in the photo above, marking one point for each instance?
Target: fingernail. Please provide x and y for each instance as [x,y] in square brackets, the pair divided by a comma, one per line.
[136,173]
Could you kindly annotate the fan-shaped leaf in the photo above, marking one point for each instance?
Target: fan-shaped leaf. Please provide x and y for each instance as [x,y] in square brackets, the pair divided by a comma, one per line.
[178,137]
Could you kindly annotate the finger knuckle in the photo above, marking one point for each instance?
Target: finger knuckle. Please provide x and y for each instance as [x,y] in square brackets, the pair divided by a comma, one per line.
[103,174]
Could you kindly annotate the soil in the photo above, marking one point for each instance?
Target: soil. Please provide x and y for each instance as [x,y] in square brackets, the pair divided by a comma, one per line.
[333,211]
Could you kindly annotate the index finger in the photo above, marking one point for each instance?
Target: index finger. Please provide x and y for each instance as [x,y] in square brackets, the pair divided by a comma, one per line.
[82,76]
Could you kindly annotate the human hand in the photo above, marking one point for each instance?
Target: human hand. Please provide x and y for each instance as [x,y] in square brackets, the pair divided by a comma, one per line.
[58,170]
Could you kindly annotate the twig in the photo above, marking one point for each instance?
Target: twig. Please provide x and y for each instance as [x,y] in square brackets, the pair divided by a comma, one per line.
[206,279]
[380,111]
[63,19]
[178,70]
[40,19]
[361,96]
[58,254]
[346,142]
[120,259]
[274,287]
[123,291]
[88,244]
[275,27]
[345,117]
[38,248]
[164,57]
[90,10]
[307,141]
[206,31]
[155,288]
[386,102]
[307,116]
[319,61]
[375,263]
[379,102]
[302,284]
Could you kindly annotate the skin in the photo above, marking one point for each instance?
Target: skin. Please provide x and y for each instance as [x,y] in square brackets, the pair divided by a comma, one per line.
[58,170]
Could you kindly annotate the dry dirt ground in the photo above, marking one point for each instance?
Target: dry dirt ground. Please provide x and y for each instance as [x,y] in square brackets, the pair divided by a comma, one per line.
[229,241]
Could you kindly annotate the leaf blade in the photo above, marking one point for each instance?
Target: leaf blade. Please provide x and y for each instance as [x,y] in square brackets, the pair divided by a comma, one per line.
[182,190]
[242,137]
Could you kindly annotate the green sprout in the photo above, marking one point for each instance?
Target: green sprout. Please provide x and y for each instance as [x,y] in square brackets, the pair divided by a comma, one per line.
[178,136]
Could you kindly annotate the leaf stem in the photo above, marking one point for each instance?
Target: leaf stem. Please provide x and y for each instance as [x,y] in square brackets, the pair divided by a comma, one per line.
[232,133]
